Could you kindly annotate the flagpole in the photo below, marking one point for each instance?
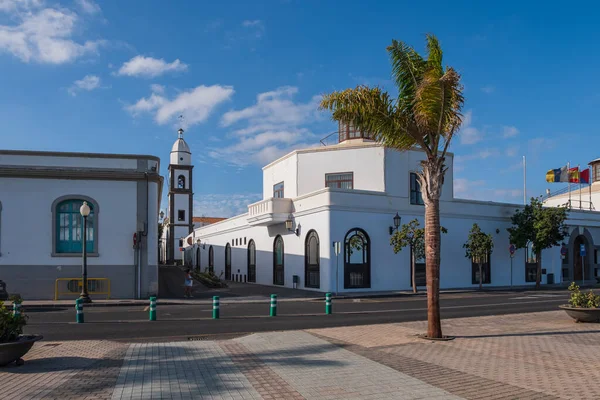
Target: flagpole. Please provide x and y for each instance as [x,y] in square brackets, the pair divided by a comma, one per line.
[580,205]
[569,180]
[590,186]
[524,181]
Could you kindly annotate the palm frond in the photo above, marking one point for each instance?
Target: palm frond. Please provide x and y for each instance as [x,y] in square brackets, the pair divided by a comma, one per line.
[372,110]
[407,69]
[434,55]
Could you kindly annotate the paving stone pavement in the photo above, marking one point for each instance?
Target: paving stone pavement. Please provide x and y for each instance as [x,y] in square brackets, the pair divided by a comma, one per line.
[526,356]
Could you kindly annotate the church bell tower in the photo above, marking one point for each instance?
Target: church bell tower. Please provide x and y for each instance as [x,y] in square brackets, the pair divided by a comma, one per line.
[180,198]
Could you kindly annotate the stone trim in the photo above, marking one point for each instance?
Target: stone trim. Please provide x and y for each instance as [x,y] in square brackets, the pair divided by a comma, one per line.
[76,173]
[94,252]
[75,154]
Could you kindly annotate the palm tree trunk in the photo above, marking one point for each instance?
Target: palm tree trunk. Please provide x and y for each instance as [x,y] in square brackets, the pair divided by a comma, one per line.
[414,270]
[480,277]
[432,265]
[538,277]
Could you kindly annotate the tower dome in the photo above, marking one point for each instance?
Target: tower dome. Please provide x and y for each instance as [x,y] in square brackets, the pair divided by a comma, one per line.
[180,152]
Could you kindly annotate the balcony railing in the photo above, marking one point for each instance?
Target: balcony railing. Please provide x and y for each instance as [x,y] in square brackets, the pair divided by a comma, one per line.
[270,211]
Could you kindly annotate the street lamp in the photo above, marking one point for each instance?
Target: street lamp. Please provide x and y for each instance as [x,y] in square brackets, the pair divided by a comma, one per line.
[162,214]
[289,225]
[397,220]
[85,212]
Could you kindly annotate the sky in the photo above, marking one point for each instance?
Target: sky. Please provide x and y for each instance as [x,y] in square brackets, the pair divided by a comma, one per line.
[114,76]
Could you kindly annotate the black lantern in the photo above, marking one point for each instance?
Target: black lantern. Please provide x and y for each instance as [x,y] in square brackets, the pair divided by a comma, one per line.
[397,220]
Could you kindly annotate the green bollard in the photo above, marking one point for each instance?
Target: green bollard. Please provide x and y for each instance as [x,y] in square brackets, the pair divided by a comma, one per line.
[328,309]
[16,309]
[79,308]
[273,305]
[215,307]
[153,308]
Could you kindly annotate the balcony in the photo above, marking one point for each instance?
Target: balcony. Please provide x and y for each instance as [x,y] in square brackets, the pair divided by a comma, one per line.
[270,211]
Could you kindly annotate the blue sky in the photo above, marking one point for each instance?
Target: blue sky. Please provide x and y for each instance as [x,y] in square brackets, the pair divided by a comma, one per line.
[113,76]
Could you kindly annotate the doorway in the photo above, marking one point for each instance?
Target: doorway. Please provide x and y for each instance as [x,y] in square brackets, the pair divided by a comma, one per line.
[580,266]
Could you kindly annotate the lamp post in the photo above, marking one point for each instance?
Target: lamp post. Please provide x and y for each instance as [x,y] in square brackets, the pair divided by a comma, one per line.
[84,210]
[397,220]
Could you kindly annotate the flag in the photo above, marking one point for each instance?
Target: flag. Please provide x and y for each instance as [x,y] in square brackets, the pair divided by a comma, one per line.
[574,175]
[557,175]
[584,176]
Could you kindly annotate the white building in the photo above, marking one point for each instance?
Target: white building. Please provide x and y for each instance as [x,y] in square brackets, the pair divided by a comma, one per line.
[349,193]
[41,227]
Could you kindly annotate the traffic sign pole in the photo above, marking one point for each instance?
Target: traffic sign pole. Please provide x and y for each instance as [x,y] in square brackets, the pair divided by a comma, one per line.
[511,250]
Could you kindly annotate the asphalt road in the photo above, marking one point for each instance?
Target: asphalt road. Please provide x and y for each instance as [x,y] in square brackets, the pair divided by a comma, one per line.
[195,321]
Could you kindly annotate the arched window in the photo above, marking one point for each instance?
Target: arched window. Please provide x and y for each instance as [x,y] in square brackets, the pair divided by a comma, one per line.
[278,261]
[227,262]
[251,261]
[181,182]
[530,263]
[357,259]
[198,258]
[68,226]
[312,272]
[211,260]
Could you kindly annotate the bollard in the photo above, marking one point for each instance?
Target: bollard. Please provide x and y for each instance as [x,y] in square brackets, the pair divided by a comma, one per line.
[16,309]
[273,305]
[153,308]
[215,307]
[328,303]
[79,308]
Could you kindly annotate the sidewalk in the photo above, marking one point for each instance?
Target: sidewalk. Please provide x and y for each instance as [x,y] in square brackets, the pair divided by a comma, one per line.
[523,356]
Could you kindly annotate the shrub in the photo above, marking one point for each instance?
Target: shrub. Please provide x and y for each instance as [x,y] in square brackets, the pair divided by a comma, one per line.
[583,300]
[10,326]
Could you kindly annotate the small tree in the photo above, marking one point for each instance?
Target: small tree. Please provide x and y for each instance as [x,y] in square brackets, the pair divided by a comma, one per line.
[479,248]
[413,237]
[543,226]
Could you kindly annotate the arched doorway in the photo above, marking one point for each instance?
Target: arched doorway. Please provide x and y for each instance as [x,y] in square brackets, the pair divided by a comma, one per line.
[227,262]
[278,261]
[581,265]
[251,261]
[312,270]
[357,259]
[197,257]
[211,260]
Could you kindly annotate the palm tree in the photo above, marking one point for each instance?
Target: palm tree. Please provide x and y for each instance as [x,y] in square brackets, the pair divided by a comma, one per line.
[426,114]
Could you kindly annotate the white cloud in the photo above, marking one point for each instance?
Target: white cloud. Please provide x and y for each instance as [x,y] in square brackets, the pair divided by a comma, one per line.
[42,35]
[195,104]
[477,190]
[156,88]
[12,5]
[511,151]
[510,131]
[148,67]
[469,134]
[89,6]
[224,205]
[488,89]
[256,26]
[88,83]
[272,127]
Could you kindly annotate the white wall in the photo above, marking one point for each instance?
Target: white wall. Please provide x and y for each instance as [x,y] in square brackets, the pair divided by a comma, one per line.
[366,163]
[182,202]
[27,220]
[219,234]
[283,170]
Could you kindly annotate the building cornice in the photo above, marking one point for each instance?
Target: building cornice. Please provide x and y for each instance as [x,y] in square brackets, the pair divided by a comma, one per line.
[75,154]
[10,171]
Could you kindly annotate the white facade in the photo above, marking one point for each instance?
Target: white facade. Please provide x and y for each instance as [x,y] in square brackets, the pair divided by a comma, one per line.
[35,233]
[381,187]
[179,219]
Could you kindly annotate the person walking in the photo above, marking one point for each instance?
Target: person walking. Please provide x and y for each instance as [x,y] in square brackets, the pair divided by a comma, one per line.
[187,289]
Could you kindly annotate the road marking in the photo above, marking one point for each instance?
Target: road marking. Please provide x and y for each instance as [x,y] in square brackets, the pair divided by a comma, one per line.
[310,314]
